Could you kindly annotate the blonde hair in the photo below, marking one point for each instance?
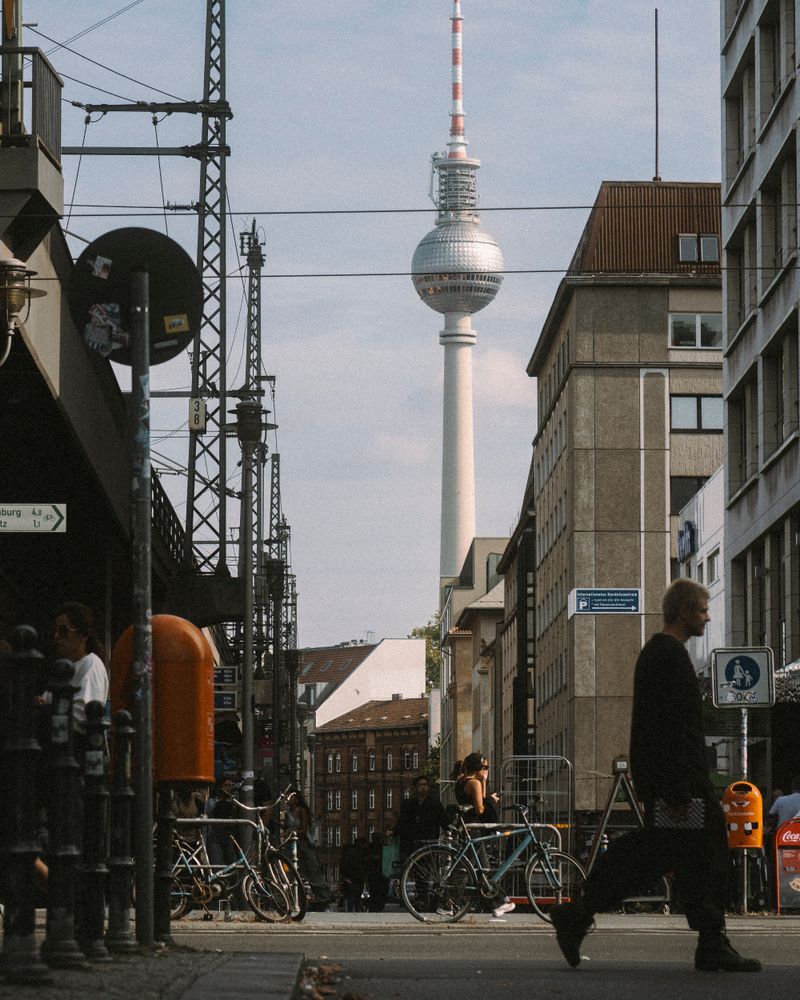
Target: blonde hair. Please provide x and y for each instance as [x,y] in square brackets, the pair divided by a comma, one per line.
[680,594]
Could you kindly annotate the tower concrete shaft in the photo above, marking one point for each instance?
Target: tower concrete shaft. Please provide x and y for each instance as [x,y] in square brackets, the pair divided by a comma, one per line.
[458,458]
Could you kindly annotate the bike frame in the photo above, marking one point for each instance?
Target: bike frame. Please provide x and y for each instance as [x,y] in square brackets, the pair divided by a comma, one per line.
[527,836]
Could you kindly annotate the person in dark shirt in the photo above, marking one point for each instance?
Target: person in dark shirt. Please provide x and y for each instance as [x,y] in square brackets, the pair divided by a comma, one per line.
[668,766]
[422,817]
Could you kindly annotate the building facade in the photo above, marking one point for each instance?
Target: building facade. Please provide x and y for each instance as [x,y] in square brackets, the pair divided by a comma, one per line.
[629,370]
[478,576]
[761,105]
[364,764]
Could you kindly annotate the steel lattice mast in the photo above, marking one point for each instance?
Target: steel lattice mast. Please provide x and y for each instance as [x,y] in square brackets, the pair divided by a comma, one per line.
[206,488]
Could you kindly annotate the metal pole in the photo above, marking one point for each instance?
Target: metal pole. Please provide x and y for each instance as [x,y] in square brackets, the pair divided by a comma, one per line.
[142,629]
[247,652]
[656,177]
[743,744]
[250,429]
[744,775]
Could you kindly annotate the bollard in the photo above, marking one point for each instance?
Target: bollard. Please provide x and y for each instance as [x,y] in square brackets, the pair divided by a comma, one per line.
[60,949]
[91,893]
[165,831]
[119,937]
[20,961]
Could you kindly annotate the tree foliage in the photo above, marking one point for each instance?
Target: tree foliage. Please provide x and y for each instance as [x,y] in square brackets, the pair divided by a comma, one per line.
[433,653]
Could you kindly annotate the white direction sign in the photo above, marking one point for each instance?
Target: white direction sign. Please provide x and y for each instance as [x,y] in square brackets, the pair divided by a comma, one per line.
[33,517]
[743,678]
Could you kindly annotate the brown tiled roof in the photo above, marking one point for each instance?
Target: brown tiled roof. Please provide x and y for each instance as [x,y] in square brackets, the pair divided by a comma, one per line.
[331,664]
[394,714]
[633,227]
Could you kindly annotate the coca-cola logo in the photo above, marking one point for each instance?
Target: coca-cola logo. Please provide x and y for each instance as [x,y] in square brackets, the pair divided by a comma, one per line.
[789,837]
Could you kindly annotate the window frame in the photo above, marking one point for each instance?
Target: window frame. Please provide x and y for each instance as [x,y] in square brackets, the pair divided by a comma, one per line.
[698,344]
[699,427]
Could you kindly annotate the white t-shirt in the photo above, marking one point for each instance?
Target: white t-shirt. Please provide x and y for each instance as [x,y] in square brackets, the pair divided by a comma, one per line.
[92,678]
[785,807]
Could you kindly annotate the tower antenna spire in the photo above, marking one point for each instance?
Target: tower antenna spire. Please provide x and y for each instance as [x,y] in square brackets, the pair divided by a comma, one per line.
[458,143]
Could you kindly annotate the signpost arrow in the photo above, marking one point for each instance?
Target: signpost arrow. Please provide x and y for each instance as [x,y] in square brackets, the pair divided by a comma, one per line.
[33,517]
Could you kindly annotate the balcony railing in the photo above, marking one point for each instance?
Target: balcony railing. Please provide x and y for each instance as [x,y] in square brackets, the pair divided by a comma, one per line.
[39,117]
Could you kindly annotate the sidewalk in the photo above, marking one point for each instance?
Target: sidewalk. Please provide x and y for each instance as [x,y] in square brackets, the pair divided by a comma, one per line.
[191,971]
[172,974]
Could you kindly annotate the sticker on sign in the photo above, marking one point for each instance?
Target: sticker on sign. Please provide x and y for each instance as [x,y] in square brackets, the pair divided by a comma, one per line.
[743,677]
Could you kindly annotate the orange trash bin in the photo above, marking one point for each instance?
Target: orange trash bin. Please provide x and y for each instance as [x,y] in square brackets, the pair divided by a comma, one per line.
[183,697]
[744,814]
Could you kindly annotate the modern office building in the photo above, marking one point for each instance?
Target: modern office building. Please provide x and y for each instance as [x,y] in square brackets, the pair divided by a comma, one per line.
[761,104]
[629,370]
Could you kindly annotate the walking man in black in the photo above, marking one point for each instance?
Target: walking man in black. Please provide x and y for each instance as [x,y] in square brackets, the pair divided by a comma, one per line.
[422,817]
[670,772]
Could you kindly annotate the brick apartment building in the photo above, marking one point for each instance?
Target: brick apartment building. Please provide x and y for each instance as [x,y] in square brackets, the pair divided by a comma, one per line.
[364,764]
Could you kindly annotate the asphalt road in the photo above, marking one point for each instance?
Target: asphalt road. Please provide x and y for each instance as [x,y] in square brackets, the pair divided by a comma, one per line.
[477,960]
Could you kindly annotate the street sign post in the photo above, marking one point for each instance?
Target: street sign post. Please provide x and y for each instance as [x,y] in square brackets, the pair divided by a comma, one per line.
[743,677]
[33,517]
[604,601]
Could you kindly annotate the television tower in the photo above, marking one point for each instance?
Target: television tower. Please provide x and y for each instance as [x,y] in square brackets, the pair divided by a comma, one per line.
[456,271]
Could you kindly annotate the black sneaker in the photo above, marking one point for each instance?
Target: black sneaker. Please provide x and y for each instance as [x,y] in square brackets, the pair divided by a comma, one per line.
[571,926]
[719,955]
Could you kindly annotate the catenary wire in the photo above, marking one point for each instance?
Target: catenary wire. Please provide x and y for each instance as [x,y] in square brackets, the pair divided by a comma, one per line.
[108,69]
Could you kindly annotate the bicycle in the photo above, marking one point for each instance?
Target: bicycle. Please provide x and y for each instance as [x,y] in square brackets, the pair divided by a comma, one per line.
[196,882]
[279,864]
[440,882]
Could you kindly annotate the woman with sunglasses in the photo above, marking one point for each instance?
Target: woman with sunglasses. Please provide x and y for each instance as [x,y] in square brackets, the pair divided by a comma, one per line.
[471,790]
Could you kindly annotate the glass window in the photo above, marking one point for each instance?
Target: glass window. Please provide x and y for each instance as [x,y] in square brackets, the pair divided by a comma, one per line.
[699,572]
[695,330]
[711,413]
[682,489]
[330,763]
[372,760]
[354,762]
[337,836]
[338,799]
[354,799]
[338,761]
[329,800]
[684,413]
[371,798]
[696,413]
[683,329]
[687,248]
[711,329]
[388,798]
[713,566]
[416,760]
[353,834]
[709,249]
[388,760]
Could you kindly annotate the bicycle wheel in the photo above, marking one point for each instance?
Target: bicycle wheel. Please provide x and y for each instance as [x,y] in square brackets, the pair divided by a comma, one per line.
[437,887]
[281,870]
[180,897]
[558,879]
[266,898]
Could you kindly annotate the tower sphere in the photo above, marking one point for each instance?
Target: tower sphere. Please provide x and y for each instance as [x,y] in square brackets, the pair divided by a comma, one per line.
[455,268]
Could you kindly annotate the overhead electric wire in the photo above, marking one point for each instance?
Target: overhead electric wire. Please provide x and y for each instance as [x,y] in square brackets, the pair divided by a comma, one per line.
[108,69]
[97,24]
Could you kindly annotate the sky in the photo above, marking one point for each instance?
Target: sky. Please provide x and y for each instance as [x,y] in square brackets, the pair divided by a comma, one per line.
[338,104]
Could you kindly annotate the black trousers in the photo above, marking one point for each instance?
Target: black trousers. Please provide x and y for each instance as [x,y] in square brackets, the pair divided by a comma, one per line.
[698,859]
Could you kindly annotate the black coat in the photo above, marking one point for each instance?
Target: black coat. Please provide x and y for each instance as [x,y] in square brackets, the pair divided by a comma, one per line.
[668,750]
[419,819]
